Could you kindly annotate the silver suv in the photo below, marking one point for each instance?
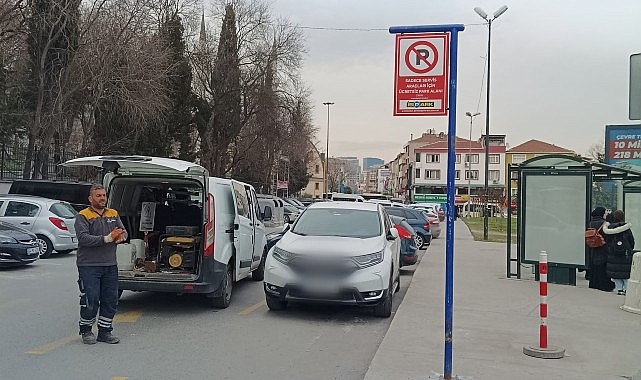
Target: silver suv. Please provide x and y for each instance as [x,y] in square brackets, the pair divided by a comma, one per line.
[52,221]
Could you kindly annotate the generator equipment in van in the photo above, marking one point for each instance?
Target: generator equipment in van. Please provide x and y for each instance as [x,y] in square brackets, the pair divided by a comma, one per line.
[178,252]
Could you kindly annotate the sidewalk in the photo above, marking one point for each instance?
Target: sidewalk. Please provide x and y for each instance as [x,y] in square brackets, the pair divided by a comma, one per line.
[495,317]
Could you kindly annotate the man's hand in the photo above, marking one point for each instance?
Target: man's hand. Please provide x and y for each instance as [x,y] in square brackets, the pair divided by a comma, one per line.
[116,236]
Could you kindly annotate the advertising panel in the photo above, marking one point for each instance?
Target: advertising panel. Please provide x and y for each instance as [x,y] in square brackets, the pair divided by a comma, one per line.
[623,145]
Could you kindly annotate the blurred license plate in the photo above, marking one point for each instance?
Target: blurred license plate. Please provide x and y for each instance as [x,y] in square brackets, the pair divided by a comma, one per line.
[321,287]
[34,250]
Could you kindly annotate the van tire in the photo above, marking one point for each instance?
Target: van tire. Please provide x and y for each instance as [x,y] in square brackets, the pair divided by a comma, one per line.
[46,248]
[223,301]
[259,273]
[275,303]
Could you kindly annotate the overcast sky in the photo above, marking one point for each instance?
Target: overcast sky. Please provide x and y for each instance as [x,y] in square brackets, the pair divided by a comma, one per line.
[560,69]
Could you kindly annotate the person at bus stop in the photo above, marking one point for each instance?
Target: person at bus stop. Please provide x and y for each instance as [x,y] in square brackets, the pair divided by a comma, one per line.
[99,230]
[597,257]
[620,243]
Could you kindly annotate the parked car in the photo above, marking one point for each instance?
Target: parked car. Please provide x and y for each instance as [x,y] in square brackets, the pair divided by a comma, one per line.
[337,252]
[203,233]
[291,213]
[434,208]
[75,193]
[17,246]
[295,202]
[51,220]
[435,224]
[418,220]
[409,250]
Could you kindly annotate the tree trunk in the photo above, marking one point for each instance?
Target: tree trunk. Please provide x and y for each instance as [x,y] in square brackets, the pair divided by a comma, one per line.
[26,170]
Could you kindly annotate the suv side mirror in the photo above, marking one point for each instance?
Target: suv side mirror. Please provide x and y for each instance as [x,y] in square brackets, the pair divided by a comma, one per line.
[267,214]
[392,234]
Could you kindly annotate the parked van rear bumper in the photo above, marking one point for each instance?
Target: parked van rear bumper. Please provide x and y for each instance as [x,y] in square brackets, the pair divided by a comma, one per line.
[169,286]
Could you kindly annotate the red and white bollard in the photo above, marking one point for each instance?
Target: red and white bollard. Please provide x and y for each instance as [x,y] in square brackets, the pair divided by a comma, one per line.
[543,351]
[543,293]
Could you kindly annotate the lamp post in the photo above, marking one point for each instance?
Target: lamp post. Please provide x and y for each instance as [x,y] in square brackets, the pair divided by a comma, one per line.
[469,164]
[328,104]
[489,20]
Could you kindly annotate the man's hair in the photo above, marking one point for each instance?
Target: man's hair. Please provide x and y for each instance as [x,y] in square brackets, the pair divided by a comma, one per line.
[94,188]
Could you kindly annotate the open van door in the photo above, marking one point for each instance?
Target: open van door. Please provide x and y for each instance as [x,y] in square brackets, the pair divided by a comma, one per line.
[125,165]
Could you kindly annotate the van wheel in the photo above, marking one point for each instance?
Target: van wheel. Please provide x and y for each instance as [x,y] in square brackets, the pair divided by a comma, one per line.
[46,248]
[223,301]
[274,303]
[259,273]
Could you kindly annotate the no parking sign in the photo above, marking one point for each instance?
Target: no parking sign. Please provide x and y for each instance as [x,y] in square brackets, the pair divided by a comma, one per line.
[421,74]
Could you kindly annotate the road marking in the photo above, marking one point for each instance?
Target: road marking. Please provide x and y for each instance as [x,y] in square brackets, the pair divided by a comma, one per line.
[119,378]
[128,316]
[45,348]
[252,309]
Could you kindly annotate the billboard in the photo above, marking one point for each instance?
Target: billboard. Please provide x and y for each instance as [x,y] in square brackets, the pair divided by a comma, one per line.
[623,145]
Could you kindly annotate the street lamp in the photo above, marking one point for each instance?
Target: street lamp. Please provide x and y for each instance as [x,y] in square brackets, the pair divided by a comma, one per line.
[469,164]
[489,20]
[328,104]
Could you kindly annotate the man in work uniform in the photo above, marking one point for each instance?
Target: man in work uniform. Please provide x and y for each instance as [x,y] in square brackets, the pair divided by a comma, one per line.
[99,229]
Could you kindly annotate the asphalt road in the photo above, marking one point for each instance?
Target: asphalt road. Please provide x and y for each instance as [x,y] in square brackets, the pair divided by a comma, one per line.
[164,336]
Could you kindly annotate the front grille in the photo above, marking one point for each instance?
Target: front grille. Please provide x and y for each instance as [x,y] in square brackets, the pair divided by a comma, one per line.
[332,268]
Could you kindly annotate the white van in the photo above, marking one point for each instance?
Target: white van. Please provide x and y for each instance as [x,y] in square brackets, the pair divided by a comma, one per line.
[188,232]
[277,207]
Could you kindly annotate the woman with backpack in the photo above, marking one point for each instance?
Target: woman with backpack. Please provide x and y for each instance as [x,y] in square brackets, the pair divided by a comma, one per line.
[597,256]
[620,243]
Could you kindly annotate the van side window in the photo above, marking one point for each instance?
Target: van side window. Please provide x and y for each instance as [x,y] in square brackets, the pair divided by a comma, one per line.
[242,203]
[21,209]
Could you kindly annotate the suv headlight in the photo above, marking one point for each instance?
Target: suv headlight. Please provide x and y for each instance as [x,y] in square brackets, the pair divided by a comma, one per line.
[4,239]
[370,259]
[282,255]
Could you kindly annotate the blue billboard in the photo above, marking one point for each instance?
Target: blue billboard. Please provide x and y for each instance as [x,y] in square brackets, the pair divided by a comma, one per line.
[623,145]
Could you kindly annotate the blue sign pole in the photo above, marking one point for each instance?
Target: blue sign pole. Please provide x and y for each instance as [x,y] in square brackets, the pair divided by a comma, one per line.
[451,162]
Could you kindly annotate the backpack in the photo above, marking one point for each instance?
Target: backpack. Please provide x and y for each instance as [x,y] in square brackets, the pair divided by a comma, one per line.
[593,237]
[619,245]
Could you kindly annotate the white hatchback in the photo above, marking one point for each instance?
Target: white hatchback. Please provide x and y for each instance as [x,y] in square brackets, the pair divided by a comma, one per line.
[336,252]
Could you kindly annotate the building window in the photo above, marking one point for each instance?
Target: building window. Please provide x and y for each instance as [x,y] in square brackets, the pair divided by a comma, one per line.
[418,157]
[317,169]
[458,158]
[518,158]
[471,174]
[494,175]
[432,174]
[457,174]
[495,159]
[316,185]
[473,158]
[418,173]
[435,158]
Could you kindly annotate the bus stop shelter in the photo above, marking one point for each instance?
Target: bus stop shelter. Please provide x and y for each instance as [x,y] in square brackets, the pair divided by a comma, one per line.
[553,203]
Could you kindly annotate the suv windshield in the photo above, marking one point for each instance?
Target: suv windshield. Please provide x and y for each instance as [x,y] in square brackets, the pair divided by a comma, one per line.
[63,210]
[338,222]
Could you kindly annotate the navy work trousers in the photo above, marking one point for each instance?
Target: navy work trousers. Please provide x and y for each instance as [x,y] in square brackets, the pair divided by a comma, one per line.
[98,291]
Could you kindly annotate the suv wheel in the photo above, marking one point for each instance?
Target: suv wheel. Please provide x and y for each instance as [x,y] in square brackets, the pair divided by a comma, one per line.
[46,248]
[384,308]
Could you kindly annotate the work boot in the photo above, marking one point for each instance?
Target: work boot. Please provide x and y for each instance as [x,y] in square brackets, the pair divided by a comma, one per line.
[88,337]
[107,338]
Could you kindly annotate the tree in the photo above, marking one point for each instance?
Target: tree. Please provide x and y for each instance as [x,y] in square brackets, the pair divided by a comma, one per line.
[224,124]
[52,41]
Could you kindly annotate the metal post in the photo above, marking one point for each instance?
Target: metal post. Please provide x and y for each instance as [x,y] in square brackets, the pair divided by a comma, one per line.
[487,133]
[469,164]
[328,104]
[451,173]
